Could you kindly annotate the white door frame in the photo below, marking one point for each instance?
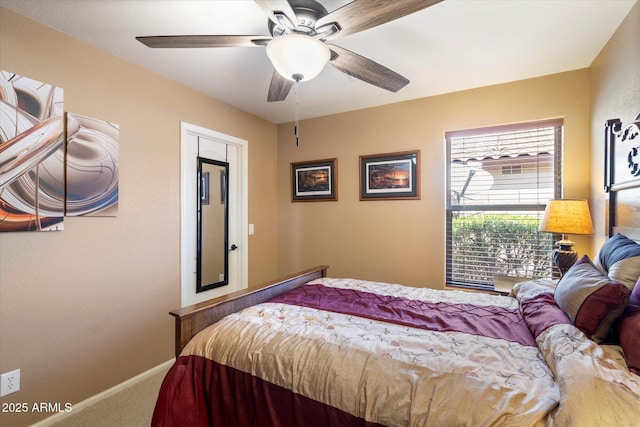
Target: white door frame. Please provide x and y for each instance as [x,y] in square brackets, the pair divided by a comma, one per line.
[188,190]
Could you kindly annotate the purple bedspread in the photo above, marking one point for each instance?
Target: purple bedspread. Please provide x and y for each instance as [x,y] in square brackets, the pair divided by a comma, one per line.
[487,321]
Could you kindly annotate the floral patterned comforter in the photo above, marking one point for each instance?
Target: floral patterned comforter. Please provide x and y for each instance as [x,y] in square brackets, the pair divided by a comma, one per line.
[348,352]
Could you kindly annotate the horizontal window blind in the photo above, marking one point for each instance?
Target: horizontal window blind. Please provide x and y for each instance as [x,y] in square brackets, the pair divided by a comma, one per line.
[499,181]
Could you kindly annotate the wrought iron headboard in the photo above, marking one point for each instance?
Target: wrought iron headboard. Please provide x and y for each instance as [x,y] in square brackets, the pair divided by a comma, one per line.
[622,177]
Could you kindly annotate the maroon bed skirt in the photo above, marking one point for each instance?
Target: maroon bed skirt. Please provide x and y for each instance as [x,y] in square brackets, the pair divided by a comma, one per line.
[200,392]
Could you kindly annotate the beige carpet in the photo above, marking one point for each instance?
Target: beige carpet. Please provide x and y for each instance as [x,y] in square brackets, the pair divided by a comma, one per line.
[130,407]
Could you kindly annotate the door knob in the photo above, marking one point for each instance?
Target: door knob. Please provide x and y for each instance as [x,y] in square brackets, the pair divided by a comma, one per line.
[233,248]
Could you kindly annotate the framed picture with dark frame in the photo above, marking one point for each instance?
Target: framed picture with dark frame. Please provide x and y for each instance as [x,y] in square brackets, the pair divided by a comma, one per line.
[314,181]
[391,176]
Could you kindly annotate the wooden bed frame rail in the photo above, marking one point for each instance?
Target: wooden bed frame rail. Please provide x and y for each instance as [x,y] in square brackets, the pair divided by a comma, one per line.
[192,319]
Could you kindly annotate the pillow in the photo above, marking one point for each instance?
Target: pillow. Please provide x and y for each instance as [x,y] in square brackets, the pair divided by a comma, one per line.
[590,299]
[630,337]
[629,331]
[635,295]
[619,257]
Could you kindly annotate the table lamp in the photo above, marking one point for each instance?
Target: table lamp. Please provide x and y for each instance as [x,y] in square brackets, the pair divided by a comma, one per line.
[566,216]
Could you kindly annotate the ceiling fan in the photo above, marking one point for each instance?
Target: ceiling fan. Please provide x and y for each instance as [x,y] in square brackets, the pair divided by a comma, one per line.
[297,45]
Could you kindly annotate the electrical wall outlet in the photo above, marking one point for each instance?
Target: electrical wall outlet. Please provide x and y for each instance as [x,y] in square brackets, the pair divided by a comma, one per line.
[9,382]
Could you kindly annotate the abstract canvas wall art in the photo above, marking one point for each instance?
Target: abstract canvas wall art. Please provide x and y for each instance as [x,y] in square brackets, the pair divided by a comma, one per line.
[31,154]
[92,166]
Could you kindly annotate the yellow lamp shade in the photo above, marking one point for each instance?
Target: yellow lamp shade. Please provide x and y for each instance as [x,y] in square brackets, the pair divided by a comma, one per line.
[567,216]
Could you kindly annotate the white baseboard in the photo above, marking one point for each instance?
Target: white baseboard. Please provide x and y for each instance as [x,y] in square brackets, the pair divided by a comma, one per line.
[105,394]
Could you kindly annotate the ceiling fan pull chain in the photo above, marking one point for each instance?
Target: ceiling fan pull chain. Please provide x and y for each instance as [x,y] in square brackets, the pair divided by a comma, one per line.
[297,78]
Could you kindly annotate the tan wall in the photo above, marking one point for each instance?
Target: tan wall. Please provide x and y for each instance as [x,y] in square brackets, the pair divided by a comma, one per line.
[87,308]
[403,241]
[615,94]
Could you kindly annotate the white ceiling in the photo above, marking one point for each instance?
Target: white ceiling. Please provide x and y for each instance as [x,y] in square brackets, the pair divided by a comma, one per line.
[452,46]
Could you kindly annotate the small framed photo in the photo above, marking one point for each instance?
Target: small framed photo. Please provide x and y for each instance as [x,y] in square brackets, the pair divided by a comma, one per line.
[314,181]
[392,176]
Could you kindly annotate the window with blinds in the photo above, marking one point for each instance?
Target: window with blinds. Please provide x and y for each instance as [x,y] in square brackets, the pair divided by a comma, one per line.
[499,180]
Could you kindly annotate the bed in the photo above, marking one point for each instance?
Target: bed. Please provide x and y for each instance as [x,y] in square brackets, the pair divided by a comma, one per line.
[311,350]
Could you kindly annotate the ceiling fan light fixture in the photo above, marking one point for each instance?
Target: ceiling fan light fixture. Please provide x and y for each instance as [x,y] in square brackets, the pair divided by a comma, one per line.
[298,57]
